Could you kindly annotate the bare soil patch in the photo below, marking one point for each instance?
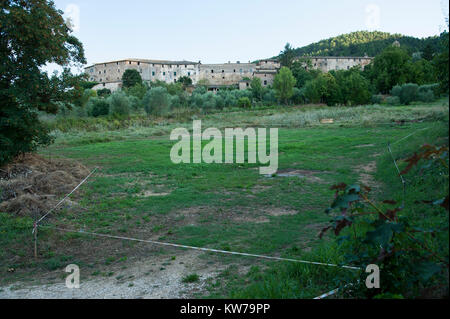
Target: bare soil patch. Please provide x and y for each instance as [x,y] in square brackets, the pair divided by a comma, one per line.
[301,173]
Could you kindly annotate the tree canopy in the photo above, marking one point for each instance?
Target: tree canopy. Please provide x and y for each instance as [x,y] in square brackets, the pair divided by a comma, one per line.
[131,78]
[32,34]
[361,43]
[283,84]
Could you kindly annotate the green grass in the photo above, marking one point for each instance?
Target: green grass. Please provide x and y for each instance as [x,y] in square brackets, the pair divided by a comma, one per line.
[229,207]
[190,279]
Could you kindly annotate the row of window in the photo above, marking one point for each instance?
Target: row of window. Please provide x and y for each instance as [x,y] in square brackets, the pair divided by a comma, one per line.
[234,71]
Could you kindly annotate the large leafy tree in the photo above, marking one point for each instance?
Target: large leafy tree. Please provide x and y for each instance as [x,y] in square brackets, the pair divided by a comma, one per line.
[131,78]
[441,63]
[283,84]
[32,34]
[390,68]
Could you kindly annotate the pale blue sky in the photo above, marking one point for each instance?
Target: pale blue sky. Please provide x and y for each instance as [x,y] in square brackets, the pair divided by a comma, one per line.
[229,30]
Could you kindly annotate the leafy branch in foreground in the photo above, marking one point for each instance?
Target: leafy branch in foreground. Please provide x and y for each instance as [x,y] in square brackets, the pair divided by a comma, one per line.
[384,234]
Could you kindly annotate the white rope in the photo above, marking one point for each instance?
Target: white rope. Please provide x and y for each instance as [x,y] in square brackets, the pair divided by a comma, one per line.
[413,133]
[62,200]
[332,292]
[202,249]
[328,294]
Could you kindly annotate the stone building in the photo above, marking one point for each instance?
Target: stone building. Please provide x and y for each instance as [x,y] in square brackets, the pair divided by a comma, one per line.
[109,74]
[327,64]
[216,76]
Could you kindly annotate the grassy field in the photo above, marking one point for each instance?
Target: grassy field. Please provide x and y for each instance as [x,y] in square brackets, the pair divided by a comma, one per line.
[138,192]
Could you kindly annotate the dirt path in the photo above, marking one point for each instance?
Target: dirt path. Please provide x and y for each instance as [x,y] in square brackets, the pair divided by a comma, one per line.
[159,278]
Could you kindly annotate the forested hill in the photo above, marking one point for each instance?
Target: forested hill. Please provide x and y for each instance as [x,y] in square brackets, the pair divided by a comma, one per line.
[361,43]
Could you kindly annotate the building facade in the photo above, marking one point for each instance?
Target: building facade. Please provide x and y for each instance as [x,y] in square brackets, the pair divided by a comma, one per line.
[334,63]
[109,74]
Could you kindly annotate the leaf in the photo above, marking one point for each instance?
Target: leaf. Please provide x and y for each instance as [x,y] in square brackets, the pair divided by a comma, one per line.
[427,269]
[340,225]
[382,235]
[344,201]
[390,202]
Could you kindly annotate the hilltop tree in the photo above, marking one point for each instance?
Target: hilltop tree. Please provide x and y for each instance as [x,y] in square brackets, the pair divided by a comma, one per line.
[130,78]
[283,84]
[32,34]
[287,56]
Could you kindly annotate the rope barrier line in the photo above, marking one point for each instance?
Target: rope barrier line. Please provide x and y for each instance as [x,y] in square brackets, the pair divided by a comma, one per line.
[413,133]
[36,224]
[201,249]
[333,292]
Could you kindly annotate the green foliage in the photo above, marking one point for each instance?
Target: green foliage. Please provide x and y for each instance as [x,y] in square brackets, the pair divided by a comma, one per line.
[287,56]
[244,102]
[323,89]
[393,100]
[88,84]
[131,78]
[119,104]
[208,101]
[303,72]
[377,99]
[185,81]
[257,88]
[157,101]
[407,93]
[441,63]
[363,43]
[392,67]
[98,107]
[379,233]
[190,279]
[354,88]
[422,72]
[283,84]
[103,93]
[137,90]
[33,33]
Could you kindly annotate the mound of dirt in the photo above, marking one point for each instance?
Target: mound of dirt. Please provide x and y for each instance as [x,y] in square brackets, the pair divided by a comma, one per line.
[32,185]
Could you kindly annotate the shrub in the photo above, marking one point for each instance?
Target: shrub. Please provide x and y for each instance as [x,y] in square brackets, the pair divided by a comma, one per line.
[119,103]
[157,101]
[434,88]
[407,93]
[244,102]
[393,100]
[98,107]
[208,101]
[269,97]
[297,96]
[103,93]
[426,96]
[377,99]
[135,102]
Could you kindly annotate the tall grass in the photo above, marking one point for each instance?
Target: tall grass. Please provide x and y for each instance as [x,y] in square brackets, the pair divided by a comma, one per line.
[72,131]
